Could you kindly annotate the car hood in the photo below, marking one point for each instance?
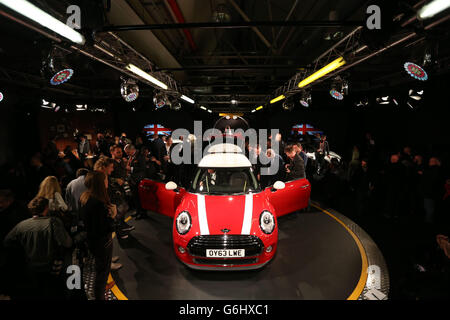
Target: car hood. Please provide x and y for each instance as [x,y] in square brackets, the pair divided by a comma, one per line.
[231,214]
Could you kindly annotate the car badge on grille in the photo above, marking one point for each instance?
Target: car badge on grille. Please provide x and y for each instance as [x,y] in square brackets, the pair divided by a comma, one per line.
[225,230]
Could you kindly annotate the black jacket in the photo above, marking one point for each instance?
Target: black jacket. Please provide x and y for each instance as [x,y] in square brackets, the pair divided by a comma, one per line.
[138,167]
[99,226]
[297,169]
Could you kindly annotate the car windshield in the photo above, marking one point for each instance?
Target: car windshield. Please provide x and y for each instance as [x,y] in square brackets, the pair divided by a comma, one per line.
[216,181]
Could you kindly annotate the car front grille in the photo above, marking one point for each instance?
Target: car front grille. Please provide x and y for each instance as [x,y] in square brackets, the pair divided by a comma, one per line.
[253,245]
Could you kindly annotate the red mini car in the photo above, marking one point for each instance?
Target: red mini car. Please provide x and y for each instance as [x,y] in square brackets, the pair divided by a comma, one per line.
[225,221]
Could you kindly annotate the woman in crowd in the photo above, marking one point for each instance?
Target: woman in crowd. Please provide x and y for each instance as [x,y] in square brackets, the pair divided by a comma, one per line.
[99,214]
[51,190]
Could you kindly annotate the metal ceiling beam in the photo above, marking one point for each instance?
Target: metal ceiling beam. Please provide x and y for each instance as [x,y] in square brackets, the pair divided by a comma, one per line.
[230,67]
[233,25]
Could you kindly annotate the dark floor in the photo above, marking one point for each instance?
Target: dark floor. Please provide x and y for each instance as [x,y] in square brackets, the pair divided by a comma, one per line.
[316,259]
[405,241]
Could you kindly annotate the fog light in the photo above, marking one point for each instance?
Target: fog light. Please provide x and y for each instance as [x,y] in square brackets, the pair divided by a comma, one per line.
[181,249]
[269,249]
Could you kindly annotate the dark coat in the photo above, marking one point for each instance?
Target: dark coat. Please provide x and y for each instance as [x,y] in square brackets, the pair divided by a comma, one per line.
[297,169]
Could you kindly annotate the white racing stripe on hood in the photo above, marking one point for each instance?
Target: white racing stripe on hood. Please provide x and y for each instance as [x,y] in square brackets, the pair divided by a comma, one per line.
[202,219]
[248,212]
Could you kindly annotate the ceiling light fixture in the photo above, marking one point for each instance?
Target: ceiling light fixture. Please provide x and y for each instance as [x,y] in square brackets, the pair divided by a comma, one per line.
[145,75]
[415,71]
[289,104]
[320,73]
[129,90]
[1,96]
[44,19]
[305,99]
[431,9]
[159,100]
[259,108]
[416,95]
[185,98]
[278,99]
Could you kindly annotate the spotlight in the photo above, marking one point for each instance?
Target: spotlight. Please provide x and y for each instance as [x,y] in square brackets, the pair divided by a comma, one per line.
[159,100]
[383,100]
[56,68]
[233,101]
[433,8]
[288,105]
[129,90]
[81,107]
[305,99]
[364,102]
[1,96]
[415,71]
[336,94]
[221,14]
[416,95]
[176,105]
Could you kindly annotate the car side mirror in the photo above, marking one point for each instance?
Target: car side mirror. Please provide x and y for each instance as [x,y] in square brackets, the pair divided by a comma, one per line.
[278,185]
[171,186]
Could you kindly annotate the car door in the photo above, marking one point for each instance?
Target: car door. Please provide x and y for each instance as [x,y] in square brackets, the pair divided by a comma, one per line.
[155,197]
[294,197]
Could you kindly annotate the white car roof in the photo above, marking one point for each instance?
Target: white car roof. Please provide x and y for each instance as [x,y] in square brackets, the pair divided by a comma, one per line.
[225,160]
[224,148]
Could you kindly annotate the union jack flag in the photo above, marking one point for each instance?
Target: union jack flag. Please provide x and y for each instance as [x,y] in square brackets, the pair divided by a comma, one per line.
[305,128]
[150,130]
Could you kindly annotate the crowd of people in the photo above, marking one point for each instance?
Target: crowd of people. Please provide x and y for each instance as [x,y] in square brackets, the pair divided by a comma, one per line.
[77,197]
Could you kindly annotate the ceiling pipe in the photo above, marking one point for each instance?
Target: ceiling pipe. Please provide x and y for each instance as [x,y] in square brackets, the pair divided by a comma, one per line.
[173,5]
[234,25]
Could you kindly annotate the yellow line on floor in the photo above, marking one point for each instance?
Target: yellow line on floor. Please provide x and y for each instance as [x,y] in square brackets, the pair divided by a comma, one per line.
[115,289]
[364,262]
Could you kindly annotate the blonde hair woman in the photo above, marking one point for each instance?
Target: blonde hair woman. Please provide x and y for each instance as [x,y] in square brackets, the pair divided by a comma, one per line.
[51,190]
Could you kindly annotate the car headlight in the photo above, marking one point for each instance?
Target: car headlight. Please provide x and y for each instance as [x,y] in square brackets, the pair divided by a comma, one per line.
[266,222]
[183,222]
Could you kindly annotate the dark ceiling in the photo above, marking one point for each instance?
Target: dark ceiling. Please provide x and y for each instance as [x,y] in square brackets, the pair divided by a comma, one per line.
[213,64]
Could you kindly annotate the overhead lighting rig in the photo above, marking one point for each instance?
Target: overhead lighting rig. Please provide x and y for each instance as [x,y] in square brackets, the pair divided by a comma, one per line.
[289,104]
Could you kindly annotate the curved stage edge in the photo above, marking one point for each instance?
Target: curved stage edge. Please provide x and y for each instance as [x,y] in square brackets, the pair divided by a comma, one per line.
[322,255]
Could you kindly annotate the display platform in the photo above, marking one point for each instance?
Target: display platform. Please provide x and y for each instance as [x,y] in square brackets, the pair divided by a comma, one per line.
[321,255]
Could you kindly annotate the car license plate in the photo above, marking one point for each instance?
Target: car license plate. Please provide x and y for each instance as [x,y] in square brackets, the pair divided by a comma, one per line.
[225,253]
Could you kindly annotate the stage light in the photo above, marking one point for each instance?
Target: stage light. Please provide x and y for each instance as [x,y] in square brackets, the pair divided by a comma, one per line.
[409,105]
[221,14]
[395,101]
[305,99]
[415,71]
[203,108]
[210,111]
[145,75]
[288,105]
[57,108]
[44,19]
[431,9]
[327,69]
[176,105]
[277,99]
[81,107]
[56,67]
[336,94]
[416,95]
[160,100]
[259,108]
[383,100]
[129,89]
[185,98]
[1,96]
[254,110]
